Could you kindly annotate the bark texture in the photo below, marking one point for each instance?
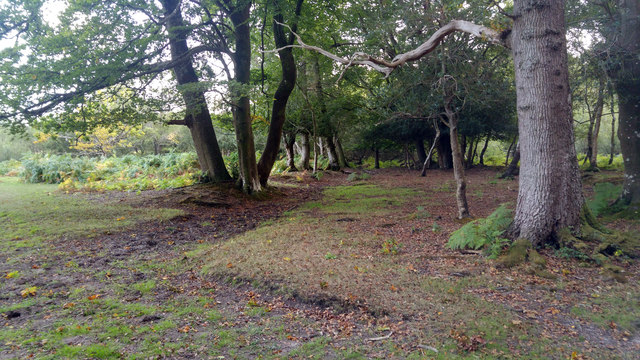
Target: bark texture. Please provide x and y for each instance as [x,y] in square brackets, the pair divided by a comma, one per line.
[305,154]
[289,142]
[594,127]
[249,180]
[281,96]
[626,76]
[198,118]
[550,192]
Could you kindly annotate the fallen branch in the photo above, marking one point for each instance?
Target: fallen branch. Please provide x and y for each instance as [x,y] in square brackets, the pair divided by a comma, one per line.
[427,347]
[381,337]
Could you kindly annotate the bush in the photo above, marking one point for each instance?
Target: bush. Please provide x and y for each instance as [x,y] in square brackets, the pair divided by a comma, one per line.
[10,167]
[114,173]
[483,233]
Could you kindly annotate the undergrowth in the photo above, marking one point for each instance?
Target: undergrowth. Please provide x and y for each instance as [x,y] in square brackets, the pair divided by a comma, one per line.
[128,172]
[484,233]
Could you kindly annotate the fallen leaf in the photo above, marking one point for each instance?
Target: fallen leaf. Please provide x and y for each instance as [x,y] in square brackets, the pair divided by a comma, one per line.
[68,305]
[93,297]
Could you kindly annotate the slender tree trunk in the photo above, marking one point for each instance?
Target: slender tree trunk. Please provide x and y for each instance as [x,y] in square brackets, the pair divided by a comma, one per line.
[469,159]
[458,166]
[306,150]
[512,170]
[513,142]
[550,193]
[342,160]
[613,128]
[627,83]
[289,142]
[376,164]
[249,180]
[595,131]
[484,148]
[281,96]
[427,162]
[197,118]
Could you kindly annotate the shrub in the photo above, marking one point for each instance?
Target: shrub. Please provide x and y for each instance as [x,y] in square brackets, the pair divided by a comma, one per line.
[114,173]
[10,167]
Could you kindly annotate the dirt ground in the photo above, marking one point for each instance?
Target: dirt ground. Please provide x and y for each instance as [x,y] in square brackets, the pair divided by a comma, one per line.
[266,323]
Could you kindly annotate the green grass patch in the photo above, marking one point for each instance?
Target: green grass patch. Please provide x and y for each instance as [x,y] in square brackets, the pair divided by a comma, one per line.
[32,213]
[618,307]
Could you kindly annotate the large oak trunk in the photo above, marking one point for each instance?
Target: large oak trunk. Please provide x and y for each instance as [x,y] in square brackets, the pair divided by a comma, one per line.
[198,118]
[550,193]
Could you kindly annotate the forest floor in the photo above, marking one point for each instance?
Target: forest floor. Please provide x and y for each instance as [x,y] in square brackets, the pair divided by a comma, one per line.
[327,268]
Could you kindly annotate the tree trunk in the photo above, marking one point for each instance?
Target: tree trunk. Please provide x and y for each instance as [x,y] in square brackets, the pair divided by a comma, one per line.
[305,154]
[427,162]
[468,162]
[198,118]
[281,97]
[249,180]
[422,154]
[512,170]
[627,83]
[289,142]
[445,160]
[613,127]
[342,160]
[376,163]
[513,142]
[331,154]
[594,126]
[458,166]
[550,193]
[484,148]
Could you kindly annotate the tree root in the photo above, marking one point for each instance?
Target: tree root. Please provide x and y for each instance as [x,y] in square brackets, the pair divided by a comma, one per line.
[595,241]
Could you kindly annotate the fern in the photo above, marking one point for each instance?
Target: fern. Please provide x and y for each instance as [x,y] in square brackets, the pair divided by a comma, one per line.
[482,233]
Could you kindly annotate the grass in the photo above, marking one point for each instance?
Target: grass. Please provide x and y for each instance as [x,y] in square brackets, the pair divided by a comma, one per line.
[25,216]
[292,254]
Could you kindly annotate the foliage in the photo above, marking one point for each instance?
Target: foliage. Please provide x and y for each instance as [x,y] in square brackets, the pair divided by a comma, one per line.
[482,233]
[10,167]
[571,253]
[113,173]
[369,163]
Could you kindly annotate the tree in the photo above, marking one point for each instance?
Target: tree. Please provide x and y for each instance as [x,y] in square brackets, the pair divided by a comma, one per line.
[99,44]
[281,96]
[198,118]
[625,71]
[550,198]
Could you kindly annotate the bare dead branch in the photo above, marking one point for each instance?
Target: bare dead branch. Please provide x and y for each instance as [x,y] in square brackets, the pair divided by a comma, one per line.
[386,67]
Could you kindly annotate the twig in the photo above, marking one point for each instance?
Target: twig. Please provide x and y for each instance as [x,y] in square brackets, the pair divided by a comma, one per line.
[427,347]
[381,337]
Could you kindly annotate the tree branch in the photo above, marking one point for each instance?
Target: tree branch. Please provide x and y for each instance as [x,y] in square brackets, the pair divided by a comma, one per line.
[387,67]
